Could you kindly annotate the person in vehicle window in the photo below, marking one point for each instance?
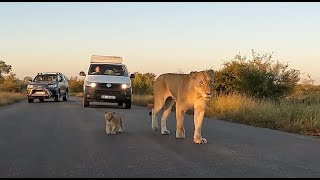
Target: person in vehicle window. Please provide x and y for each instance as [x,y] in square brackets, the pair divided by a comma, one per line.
[96,70]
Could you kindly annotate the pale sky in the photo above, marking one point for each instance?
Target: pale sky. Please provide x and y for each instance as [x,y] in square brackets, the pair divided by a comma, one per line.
[157,37]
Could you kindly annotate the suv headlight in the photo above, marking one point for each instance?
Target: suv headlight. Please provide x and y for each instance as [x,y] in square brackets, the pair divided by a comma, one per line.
[52,85]
[29,86]
[91,84]
[125,86]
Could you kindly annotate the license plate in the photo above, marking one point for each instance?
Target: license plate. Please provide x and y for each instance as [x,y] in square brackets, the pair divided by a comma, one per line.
[41,92]
[107,97]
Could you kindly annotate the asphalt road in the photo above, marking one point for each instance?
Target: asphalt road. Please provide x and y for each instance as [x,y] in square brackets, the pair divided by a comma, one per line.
[63,139]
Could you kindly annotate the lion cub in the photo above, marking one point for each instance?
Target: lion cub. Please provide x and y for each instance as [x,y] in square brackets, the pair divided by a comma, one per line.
[113,123]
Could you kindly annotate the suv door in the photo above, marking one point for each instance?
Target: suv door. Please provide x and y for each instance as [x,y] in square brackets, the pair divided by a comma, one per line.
[61,85]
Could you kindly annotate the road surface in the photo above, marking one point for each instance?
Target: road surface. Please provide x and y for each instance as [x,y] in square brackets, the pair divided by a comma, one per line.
[63,139]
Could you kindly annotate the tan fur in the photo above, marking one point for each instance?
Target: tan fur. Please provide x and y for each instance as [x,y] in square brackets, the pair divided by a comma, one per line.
[113,123]
[187,91]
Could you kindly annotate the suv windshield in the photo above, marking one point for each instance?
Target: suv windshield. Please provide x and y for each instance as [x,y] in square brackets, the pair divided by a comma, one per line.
[46,78]
[107,69]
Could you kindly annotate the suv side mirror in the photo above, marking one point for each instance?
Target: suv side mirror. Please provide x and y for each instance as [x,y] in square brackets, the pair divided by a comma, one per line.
[132,76]
[82,73]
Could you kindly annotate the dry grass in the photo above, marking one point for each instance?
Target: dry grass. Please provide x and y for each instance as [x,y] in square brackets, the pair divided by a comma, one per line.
[293,117]
[10,98]
[77,94]
[142,100]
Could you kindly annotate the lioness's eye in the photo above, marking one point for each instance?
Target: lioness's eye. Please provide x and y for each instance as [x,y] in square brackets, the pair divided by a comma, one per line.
[201,83]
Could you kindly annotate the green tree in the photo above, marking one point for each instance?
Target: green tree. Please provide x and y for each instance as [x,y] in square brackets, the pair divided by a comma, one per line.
[260,76]
[27,79]
[4,69]
[11,84]
[75,84]
[143,83]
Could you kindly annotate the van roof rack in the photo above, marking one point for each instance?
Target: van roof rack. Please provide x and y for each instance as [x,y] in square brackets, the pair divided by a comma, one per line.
[106,59]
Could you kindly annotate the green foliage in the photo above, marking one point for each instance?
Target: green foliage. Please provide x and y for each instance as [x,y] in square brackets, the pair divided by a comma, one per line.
[11,83]
[27,79]
[4,69]
[143,83]
[75,84]
[259,77]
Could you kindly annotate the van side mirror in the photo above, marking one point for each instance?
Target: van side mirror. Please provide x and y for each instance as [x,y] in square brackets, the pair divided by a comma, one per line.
[132,76]
[82,73]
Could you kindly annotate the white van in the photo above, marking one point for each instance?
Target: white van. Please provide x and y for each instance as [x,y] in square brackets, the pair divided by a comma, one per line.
[107,80]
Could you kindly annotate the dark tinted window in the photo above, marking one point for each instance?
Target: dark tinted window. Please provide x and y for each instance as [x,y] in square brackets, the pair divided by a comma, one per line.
[107,69]
[46,78]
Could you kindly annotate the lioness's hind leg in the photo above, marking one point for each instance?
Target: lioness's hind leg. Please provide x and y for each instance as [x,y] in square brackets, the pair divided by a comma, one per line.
[167,109]
[158,104]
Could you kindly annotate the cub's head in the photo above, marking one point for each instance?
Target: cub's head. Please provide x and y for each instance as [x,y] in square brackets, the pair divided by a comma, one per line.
[203,82]
[109,116]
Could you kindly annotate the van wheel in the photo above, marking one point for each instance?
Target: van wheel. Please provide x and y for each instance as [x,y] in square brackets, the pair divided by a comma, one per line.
[128,104]
[30,100]
[85,102]
[41,99]
[120,103]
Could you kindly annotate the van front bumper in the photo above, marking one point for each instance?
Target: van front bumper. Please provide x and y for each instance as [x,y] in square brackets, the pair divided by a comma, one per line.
[105,95]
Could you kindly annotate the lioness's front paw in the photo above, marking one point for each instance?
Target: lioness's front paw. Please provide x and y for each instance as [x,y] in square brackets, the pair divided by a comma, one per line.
[155,128]
[165,132]
[180,134]
[200,140]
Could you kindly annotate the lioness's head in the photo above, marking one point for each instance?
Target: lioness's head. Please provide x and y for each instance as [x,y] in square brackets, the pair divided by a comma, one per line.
[109,116]
[203,82]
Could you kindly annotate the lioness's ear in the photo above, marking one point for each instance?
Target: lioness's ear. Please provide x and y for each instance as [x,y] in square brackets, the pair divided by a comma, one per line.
[113,112]
[211,72]
[193,74]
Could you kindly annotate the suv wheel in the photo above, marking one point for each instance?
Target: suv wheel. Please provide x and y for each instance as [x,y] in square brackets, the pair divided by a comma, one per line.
[57,98]
[41,99]
[30,100]
[65,98]
[85,102]
[128,104]
[120,103]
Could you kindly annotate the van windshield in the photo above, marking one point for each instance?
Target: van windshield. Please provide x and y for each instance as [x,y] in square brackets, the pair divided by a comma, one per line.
[107,69]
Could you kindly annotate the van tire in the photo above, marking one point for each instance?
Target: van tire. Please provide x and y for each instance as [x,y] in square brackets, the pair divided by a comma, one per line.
[85,102]
[128,105]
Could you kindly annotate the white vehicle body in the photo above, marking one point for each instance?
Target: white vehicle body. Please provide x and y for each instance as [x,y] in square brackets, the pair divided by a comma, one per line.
[110,82]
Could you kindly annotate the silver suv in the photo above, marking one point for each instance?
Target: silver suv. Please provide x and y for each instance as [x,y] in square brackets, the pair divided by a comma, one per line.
[48,85]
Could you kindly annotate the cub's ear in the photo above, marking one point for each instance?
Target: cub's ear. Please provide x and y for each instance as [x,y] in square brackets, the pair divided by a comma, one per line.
[193,74]
[113,112]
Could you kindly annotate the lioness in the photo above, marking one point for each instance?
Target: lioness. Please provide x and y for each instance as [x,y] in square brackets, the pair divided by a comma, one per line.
[187,91]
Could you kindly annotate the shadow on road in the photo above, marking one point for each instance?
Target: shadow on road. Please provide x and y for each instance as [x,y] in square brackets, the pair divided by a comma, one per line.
[106,106]
[51,101]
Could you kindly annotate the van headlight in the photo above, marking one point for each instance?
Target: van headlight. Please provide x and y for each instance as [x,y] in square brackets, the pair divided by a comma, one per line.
[91,84]
[125,86]
[29,86]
